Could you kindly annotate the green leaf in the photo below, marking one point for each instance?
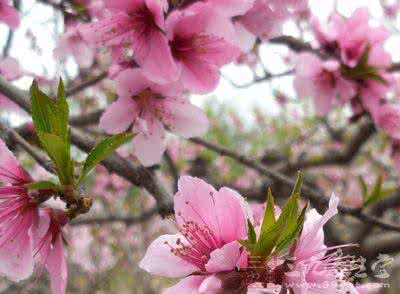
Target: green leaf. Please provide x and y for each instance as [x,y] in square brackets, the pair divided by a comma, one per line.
[376,192]
[363,61]
[43,185]
[283,226]
[363,186]
[297,185]
[269,214]
[50,116]
[59,151]
[252,233]
[41,109]
[62,111]
[102,150]
[285,241]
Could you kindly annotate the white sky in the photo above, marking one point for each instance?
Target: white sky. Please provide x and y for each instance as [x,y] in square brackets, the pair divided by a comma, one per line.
[40,18]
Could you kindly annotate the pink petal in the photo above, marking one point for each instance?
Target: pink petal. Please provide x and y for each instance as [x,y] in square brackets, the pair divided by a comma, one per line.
[10,171]
[16,258]
[211,285]
[231,8]
[230,209]
[312,235]
[159,66]
[9,15]
[195,201]
[200,77]
[183,118]
[113,30]
[189,285]
[225,258]
[159,259]
[149,143]
[57,267]
[131,82]
[119,116]
[10,69]
[245,39]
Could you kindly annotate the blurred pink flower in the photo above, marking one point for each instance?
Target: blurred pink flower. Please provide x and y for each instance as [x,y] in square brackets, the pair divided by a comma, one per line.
[388,118]
[322,81]
[72,43]
[8,14]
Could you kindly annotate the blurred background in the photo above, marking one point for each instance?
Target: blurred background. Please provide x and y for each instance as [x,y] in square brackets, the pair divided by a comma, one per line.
[257,116]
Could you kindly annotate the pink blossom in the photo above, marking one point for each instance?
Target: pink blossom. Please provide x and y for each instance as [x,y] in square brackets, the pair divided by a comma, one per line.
[72,43]
[322,81]
[311,268]
[373,93]
[388,118]
[201,42]
[8,14]
[391,10]
[49,247]
[356,35]
[151,107]
[136,25]
[265,19]
[18,212]
[210,223]
[9,69]
[328,34]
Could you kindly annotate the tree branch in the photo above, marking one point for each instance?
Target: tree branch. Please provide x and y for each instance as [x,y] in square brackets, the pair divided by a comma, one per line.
[86,84]
[127,220]
[309,192]
[336,158]
[137,175]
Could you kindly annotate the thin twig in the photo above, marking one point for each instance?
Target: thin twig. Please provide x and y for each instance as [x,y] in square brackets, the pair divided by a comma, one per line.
[127,220]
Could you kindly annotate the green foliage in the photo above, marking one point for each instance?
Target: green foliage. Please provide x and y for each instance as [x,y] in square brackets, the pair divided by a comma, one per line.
[277,235]
[363,71]
[377,192]
[102,150]
[50,119]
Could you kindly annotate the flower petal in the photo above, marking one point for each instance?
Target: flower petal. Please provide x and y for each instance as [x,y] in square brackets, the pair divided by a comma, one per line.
[184,119]
[224,259]
[230,209]
[57,267]
[118,116]
[195,201]
[149,143]
[161,261]
[10,171]
[189,285]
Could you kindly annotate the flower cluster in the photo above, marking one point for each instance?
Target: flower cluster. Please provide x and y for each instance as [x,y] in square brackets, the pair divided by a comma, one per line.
[208,253]
[29,234]
[161,52]
[354,71]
